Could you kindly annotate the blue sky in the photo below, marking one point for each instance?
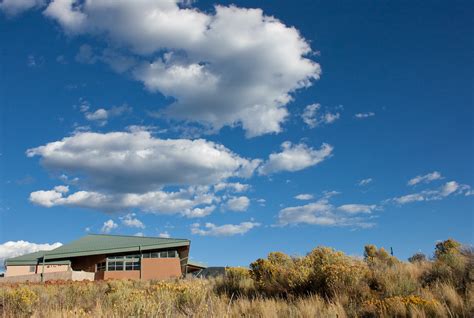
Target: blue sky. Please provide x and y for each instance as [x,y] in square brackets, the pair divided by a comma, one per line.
[246,131]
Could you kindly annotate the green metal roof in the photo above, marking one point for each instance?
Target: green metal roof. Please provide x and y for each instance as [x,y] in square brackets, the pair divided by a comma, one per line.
[96,244]
[32,259]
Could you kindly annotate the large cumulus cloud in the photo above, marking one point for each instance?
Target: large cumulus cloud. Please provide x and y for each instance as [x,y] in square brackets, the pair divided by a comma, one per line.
[234,66]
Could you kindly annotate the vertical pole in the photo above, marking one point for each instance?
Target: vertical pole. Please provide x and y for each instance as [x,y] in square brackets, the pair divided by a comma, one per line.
[141,256]
[42,270]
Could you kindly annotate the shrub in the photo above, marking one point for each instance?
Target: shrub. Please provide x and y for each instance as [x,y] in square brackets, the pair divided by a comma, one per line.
[332,272]
[19,301]
[372,256]
[417,258]
[452,265]
[235,282]
[280,275]
[448,247]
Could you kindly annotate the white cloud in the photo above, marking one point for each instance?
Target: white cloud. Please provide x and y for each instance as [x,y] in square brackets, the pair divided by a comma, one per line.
[164,234]
[357,208]
[447,189]
[61,189]
[234,66]
[211,229]
[67,13]
[323,213]
[199,212]
[238,204]
[47,198]
[415,197]
[122,171]
[15,7]
[137,162]
[295,158]
[365,182]
[427,178]
[312,118]
[364,115]
[185,201]
[304,197]
[16,248]
[139,234]
[232,186]
[108,226]
[130,220]
[102,115]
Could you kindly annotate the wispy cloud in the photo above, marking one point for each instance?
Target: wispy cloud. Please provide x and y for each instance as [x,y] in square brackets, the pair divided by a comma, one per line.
[304,197]
[427,178]
[447,189]
[130,220]
[108,226]
[295,158]
[210,229]
[364,115]
[365,182]
[323,213]
[102,115]
[164,234]
[238,204]
[313,117]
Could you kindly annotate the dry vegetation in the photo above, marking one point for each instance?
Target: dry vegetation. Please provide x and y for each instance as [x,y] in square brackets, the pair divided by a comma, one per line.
[324,283]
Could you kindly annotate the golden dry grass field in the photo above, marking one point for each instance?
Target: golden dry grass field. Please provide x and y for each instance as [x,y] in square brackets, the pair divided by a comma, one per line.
[324,283]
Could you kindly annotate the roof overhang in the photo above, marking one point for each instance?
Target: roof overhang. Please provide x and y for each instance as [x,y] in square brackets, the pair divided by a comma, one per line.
[52,255]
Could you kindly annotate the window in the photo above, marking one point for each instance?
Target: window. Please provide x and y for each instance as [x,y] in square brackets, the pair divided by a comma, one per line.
[32,268]
[163,254]
[100,267]
[132,266]
[123,262]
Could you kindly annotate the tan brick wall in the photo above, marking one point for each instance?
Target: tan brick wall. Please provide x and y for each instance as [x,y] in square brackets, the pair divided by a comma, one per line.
[122,275]
[16,270]
[160,268]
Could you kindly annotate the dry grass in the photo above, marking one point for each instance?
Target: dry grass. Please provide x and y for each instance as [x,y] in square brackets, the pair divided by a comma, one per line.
[324,283]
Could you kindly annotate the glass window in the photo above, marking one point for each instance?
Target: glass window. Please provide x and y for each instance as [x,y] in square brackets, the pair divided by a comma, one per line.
[101,266]
[155,255]
[171,253]
[164,254]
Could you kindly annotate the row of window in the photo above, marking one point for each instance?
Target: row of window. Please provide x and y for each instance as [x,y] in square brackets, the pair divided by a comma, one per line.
[131,262]
[164,254]
[119,266]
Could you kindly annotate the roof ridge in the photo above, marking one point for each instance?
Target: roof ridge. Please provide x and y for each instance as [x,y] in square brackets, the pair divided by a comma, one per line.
[123,235]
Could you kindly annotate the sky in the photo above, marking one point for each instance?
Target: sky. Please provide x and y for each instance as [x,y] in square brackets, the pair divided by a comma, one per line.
[244,126]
